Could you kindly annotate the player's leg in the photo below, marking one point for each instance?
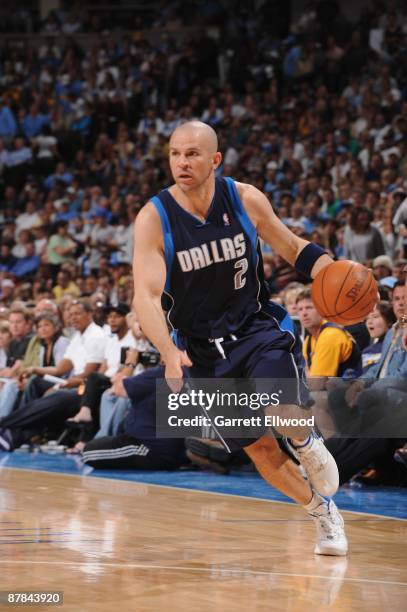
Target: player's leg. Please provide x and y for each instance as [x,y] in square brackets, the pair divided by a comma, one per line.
[276,467]
[265,453]
[280,471]
[276,371]
[318,463]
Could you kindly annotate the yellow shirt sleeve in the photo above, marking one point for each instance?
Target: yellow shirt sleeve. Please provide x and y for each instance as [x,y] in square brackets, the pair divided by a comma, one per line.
[332,347]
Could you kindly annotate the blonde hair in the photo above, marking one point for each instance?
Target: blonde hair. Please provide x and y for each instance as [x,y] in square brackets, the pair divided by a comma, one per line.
[5,327]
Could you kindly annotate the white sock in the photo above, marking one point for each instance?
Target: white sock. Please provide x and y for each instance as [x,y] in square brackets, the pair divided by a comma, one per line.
[316,501]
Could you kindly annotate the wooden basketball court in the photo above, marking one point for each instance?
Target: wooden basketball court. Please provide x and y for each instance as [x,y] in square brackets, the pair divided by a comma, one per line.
[114,545]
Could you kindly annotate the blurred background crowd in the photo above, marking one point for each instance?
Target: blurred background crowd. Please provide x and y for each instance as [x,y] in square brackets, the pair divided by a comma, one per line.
[309,101]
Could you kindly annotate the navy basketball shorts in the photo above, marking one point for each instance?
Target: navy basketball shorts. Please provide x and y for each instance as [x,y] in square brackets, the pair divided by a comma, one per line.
[260,351]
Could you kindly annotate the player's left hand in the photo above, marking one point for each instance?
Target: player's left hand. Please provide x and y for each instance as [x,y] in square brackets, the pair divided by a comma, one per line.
[174,361]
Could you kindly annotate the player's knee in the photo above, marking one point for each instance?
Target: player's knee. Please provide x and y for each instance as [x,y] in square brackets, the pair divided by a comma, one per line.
[290,420]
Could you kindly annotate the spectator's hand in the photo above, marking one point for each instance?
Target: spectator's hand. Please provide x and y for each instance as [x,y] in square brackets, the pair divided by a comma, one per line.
[6,372]
[132,356]
[27,372]
[71,383]
[352,393]
[118,377]
[118,388]
[404,339]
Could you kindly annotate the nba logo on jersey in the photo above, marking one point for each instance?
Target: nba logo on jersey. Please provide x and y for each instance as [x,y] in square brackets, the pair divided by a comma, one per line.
[226,220]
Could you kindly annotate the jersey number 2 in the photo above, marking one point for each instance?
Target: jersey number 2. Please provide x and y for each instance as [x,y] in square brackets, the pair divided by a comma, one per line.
[241,267]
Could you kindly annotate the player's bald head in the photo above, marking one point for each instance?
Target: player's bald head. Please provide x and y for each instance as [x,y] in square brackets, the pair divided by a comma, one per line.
[197,131]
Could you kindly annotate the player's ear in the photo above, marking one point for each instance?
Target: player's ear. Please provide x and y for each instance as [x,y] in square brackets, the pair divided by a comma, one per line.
[217,159]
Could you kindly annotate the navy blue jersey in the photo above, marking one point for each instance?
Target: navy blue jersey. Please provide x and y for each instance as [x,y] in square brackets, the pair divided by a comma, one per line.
[214,268]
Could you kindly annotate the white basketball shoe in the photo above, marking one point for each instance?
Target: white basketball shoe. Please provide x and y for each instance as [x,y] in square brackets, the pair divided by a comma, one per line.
[319,465]
[331,537]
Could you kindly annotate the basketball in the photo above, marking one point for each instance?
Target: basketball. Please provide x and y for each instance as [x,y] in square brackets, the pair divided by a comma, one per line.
[344,292]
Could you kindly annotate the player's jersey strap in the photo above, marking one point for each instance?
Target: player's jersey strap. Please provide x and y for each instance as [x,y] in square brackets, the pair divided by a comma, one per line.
[242,215]
[168,241]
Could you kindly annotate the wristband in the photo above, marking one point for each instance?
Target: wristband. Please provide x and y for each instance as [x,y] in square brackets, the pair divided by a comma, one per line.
[307,258]
[130,365]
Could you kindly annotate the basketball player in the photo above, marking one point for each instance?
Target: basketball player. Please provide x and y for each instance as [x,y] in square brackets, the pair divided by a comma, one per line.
[196,244]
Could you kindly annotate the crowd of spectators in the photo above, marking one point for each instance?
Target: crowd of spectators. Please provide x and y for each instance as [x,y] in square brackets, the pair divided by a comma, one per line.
[314,114]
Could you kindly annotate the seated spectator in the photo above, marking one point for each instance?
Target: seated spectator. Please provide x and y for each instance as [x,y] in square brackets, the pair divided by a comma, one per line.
[382,270]
[123,357]
[33,351]
[83,356]
[61,175]
[21,331]
[362,241]
[137,448]
[290,294]
[65,285]
[7,259]
[119,342]
[7,288]
[328,348]
[20,326]
[53,342]
[51,335]
[5,339]
[378,323]
[33,122]
[26,266]
[19,249]
[28,219]
[60,249]
[372,410]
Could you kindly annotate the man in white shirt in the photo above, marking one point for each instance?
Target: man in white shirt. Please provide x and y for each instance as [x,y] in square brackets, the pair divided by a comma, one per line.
[114,360]
[28,219]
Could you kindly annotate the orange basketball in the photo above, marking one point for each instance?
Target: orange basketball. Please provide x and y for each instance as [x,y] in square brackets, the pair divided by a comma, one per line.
[344,292]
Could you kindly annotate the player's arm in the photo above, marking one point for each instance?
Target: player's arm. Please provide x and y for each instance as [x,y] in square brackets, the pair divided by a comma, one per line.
[307,257]
[149,272]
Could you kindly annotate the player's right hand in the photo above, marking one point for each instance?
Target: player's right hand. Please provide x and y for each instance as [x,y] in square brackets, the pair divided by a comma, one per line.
[173,368]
